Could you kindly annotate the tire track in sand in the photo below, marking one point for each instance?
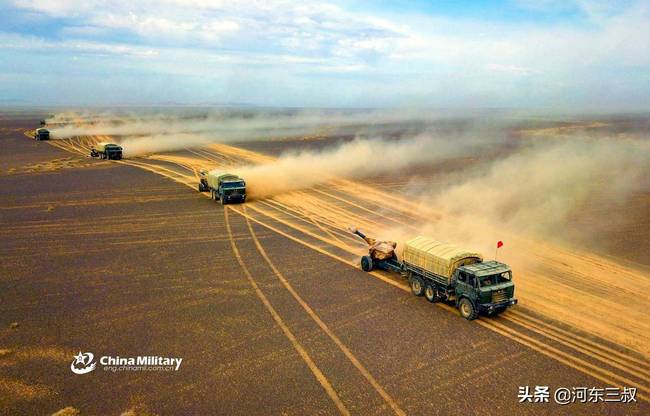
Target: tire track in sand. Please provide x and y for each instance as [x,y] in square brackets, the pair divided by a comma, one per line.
[323,326]
[318,374]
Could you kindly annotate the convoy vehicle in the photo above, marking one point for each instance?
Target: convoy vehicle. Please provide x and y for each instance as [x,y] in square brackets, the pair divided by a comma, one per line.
[223,186]
[444,272]
[105,150]
[42,134]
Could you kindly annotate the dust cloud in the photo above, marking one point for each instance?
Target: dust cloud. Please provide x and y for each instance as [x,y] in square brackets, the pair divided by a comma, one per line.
[225,126]
[137,146]
[538,191]
[360,158]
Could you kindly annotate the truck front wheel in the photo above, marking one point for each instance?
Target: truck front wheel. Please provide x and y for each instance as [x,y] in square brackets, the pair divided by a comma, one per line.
[430,293]
[417,286]
[467,309]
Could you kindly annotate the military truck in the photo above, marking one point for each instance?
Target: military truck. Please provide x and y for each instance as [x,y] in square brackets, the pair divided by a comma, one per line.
[42,134]
[224,187]
[105,150]
[444,272]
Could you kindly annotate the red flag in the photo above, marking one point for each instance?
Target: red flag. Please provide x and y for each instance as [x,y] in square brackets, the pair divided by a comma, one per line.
[499,244]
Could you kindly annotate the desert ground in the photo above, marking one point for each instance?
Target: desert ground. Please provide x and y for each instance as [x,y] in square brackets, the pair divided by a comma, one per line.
[265,301]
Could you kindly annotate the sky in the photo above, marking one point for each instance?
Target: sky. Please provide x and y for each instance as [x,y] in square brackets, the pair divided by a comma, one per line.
[571,54]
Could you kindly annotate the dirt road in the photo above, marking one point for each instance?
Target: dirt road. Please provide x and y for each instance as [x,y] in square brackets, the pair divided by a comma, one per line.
[264,302]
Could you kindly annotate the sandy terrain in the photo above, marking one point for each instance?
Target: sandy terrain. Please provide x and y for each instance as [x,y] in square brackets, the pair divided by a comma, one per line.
[265,302]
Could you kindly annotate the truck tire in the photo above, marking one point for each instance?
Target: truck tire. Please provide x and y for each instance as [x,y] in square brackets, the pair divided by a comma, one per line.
[366,263]
[430,293]
[222,200]
[417,285]
[467,309]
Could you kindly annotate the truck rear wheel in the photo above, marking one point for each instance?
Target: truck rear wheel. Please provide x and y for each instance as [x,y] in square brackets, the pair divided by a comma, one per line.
[467,309]
[417,286]
[366,263]
[430,293]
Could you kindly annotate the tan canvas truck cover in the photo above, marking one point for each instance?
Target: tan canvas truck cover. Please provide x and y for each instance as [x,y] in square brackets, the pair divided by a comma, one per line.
[215,177]
[101,146]
[436,257]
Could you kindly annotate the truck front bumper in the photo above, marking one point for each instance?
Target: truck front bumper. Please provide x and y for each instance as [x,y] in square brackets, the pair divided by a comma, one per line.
[235,198]
[491,307]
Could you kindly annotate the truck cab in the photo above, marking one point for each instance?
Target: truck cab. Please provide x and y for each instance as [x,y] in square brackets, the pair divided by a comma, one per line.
[224,187]
[484,287]
[232,190]
[110,151]
[42,134]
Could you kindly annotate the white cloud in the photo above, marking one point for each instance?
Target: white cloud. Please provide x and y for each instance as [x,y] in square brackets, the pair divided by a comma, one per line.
[422,55]
[509,69]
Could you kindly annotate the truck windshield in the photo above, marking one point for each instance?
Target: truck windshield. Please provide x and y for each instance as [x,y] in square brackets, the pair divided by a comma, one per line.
[496,279]
[228,185]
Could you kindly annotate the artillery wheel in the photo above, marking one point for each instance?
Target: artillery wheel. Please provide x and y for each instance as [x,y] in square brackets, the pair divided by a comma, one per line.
[430,293]
[467,309]
[417,286]
[366,263]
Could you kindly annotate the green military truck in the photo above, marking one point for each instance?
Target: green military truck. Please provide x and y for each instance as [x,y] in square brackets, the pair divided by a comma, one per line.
[42,134]
[441,271]
[223,186]
[105,150]
[444,272]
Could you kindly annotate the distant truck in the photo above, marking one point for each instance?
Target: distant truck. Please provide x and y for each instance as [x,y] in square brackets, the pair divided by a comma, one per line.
[42,134]
[224,187]
[105,150]
[443,272]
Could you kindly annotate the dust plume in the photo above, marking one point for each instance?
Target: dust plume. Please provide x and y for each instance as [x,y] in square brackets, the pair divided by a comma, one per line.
[360,158]
[141,132]
[221,126]
[136,146]
[538,191]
